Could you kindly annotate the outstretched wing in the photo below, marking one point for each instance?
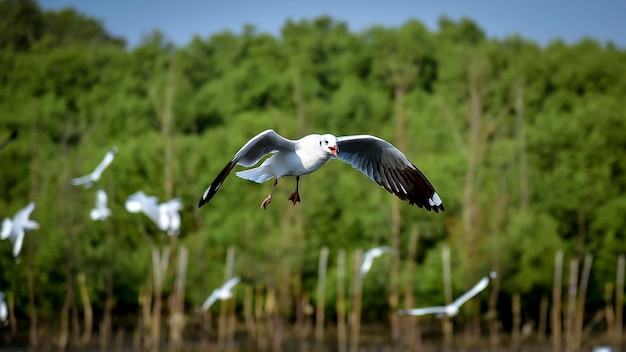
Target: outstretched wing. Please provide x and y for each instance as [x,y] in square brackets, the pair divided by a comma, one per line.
[231,283]
[7,226]
[83,180]
[108,159]
[262,144]
[423,311]
[17,239]
[140,202]
[21,217]
[481,285]
[389,167]
[366,265]
[209,301]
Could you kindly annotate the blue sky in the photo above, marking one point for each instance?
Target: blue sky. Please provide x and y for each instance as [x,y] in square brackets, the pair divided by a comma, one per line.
[537,20]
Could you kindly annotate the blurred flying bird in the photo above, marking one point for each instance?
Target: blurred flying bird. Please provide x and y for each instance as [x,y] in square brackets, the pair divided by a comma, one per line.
[4,312]
[222,293]
[603,349]
[453,308]
[375,157]
[90,179]
[101,211]
[13,135]
[368,257]
[14,229]
[165,215]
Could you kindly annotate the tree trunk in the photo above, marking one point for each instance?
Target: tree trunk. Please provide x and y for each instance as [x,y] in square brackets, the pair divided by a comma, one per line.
[341,302]
[159,264]
[106,325]
[580,302]
[11,309]
[88,311]
[69,306]
[248,314]
[321,287]
[619,302]
[521,145]
[177,322]
[412,331]
[543,318]
[517,322]
[355,313]
[33,339]
[447,289]
[570,340]
[497,223]
[396,220]
[556,302]
[226,318]
[609,312]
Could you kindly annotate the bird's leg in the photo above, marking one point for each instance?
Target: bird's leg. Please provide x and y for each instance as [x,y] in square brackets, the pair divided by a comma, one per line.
[295,196]
[268,199]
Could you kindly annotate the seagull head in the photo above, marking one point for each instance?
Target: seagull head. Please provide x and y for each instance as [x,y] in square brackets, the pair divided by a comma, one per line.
[329,143]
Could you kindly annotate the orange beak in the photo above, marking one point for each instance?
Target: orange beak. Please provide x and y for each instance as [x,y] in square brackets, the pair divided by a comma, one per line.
[334,151]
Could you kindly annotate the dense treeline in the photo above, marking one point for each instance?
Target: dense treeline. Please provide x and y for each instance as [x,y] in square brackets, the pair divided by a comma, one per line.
[525,144]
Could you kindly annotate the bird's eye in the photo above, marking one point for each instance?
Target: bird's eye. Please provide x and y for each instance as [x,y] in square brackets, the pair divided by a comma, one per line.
[326,142]
[320,143]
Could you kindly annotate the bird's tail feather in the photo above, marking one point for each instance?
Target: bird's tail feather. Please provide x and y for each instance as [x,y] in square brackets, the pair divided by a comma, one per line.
[258,174]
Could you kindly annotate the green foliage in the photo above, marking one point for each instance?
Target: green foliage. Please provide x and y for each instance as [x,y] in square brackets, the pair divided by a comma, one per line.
[74,91]
[527,252]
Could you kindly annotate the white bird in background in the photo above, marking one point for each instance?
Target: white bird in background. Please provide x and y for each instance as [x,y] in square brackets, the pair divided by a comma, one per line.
[15,229]
[603,349]
[222,293]
[375,157]
[170,217]
[368,257]
[165,215]
[101,211]
[90,179]
[4,312]
[453,308]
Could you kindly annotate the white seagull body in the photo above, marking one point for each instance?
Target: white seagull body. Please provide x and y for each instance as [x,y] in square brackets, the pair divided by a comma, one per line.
[453,308]
[94,176]
[165,215]
[101,211]
[223,292]
[170,217]
[369,256]
[15,229]
[4,312]
[375,157]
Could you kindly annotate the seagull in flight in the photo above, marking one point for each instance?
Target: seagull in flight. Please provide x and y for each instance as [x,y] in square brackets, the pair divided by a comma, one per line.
[94,176]
[101,211]
[4,312]
[453,308]
[222,293]
[369,256]
[15,229]
[165,215]
[376,158]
